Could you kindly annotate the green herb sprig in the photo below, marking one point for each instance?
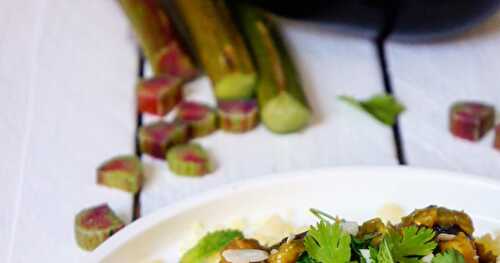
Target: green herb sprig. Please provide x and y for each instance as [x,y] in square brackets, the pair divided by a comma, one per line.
[328,243]
[385,108]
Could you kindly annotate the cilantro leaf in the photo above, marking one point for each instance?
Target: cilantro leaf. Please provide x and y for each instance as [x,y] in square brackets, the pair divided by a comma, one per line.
[359,244]
[385,108]
[305,258]
[321,215]
[384,254]
[373,254]
[327,243]
[211,244]
[410,243]
[449,256]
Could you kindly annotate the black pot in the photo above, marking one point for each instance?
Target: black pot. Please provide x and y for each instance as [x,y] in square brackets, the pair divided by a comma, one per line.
[404,19]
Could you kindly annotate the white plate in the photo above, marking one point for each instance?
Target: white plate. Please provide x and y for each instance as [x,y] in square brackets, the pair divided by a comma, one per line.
[353,193]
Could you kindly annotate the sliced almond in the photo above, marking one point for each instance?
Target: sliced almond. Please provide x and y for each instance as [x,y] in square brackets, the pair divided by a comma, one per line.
[445,237]
[245,255]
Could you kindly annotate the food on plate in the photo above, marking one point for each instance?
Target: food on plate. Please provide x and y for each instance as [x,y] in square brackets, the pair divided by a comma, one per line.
[488,247]
[189,159]
[288,251]
[121,172]
[238,116]
[200,118]
[429,235]
[441,219]
[497,137]
[156,138]
[94,225]
[283,104]
[273,229]
[385,108]
[210,245]
[471,120]
[158,38]
[391,212]
[220,47]
[159,95]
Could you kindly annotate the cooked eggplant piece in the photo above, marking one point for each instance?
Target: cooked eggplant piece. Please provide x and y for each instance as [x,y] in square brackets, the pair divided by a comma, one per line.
[374,227]
[441,218]
[463,244]
[288,252]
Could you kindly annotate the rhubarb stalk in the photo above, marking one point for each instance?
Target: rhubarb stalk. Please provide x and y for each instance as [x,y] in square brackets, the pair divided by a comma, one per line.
[159,40]
[282,102]
[220,47]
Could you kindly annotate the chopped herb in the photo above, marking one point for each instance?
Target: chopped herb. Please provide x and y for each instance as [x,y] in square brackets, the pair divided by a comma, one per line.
[211,244]
[449,256]
[410,243]
[357,244]
[321,215]
[373,254]
[305,258]
[327,243]
[384,254]
[384,108]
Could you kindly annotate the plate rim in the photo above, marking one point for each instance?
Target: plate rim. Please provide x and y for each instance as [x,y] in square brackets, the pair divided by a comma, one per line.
[134,229]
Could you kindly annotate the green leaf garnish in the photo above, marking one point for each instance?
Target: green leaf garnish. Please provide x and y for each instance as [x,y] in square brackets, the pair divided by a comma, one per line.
[384,254]
[449,256]
[305,258]
[327,243]
[411,243]
[384,108]
[321,215]
[211,244]
[373,254]
[361,243]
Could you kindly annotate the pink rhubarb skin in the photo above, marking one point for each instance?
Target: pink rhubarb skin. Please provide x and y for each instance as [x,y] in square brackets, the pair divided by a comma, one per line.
[238,116]
[497,137]
[239,106]
[200,118]
[192,111]
[94,225]
[471,120]
[159,95]
[158,38]
[156,138]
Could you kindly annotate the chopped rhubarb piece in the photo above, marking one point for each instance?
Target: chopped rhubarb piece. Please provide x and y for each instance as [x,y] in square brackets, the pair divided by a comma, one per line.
[189,159]
[122,172]
[159,95]
[471,120]
[200,118]
[238,116]
[94,225]
[156,138]
[497,137]
[172,60]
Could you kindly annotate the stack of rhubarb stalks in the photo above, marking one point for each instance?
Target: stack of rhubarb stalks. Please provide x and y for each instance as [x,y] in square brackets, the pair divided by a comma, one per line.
[253,78]
[240,50]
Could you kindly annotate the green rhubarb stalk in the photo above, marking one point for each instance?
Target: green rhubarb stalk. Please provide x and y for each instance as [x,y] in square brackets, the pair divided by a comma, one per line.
[157,36]
[284,107]
[220,47]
